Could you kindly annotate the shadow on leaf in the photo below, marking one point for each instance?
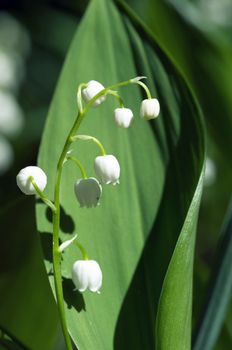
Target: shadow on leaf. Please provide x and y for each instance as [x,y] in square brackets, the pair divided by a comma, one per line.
[72,297]
[46,243]
[66,222]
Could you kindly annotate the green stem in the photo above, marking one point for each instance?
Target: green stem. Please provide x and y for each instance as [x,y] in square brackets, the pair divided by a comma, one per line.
[100,146]
[42,195]
[79,97]
[120,100]
[144,86]
[80,166]
[56,229]
[56,265]
[90,138]
[56,214]
[83,251]
[106,91]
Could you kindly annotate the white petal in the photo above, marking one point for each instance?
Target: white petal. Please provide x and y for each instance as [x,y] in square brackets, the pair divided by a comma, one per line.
[123,117]
[87,274]
[92,89]
[95,276]
[25,184]
[107,169]
[80,275]
[88,192]
[150,108]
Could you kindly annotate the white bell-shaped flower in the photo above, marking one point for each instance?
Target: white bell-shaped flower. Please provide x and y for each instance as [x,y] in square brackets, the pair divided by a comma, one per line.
[92,89]
[87,274]
[150,108]
[25,184]
[88,192]
[107,169]
[123,117]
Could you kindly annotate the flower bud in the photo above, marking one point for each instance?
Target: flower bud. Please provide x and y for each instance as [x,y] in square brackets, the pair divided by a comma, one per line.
[92,89]
[107,169]
[150,108]
[88,192]
[24,182]
[87,274]
[123,117]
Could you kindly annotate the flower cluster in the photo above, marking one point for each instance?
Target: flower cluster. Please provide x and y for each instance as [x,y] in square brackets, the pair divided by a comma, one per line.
[86,273]
[150,107]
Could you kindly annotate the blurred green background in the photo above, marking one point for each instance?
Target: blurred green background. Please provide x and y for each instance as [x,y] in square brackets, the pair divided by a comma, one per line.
[33,43]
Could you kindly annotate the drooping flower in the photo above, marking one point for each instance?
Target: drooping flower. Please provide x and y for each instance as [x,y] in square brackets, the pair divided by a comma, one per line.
[150,108]
[24,183]
[92,89]
[123,117]
[88,192]
[87,274]
[107,169]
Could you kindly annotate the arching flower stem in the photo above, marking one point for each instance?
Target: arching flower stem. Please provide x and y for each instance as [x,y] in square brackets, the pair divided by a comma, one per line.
[79,97]
[83,251]
[90,138]
[144,86]
[79,164]
[42,195]
[116,95]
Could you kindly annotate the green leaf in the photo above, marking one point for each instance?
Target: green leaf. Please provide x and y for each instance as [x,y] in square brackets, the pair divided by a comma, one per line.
[133,233]
[9,342]
[179,27]
[219,292]
[174,313]
[27,310]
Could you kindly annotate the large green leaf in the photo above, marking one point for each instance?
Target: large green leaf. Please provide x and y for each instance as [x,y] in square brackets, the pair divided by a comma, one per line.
[133,233]
[174,313]
[219,292]
[207,68]
[27,310]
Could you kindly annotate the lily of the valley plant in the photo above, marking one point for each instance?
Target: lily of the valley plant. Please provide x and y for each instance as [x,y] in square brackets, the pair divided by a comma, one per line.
[86,273]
